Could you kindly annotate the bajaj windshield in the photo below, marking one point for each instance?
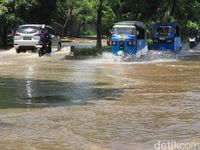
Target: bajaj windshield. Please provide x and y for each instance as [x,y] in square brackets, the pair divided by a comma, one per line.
[163,30]
[123,30]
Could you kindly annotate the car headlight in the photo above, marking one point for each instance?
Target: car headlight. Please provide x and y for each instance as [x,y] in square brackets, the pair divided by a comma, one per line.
[131,43]
[114,43]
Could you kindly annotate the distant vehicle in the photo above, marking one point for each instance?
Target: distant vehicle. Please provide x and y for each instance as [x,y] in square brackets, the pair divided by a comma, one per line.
[27,38]
[129,38]
[193,38]
[166,36]
[192,41]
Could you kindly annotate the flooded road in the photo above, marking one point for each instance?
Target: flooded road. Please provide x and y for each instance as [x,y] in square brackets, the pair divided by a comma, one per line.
[52,103]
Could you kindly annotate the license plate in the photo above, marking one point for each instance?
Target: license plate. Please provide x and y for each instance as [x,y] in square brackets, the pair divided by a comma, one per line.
[27,38]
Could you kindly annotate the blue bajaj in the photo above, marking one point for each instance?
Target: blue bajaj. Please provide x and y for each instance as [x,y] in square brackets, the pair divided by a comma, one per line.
[129,38]
[166,36]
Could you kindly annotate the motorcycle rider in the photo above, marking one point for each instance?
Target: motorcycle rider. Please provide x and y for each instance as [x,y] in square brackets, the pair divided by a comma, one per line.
[192,38]
[45,39]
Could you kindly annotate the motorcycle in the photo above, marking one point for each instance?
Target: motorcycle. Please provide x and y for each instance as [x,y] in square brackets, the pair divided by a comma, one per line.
[192,41]
[44,49]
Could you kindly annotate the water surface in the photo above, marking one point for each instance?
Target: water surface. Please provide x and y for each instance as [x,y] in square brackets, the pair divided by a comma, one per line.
[55,103]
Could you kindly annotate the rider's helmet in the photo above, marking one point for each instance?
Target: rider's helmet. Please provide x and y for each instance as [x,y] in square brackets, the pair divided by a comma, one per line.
[43,26]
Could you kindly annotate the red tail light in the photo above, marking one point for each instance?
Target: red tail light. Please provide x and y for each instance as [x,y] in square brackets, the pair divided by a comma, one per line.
[17,34]
[37,34]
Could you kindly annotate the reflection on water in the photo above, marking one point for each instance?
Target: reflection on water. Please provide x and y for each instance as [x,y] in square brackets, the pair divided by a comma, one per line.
[38,93]
[129,105]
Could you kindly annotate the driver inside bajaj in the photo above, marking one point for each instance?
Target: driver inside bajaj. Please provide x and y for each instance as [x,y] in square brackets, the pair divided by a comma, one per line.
[120,30]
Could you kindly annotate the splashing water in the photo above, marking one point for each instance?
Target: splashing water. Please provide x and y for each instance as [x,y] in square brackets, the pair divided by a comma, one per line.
[151,57]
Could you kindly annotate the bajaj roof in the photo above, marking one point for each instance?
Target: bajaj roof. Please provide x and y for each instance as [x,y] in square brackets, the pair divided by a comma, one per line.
[165,24]
[131,23]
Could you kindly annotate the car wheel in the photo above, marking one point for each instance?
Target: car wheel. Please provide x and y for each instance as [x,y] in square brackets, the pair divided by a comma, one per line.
[59,46]
[18,50]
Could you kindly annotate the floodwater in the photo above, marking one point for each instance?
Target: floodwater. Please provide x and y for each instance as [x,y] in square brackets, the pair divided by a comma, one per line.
[53,103]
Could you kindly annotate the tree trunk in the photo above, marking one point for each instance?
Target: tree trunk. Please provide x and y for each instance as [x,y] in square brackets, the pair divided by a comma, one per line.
[68,17]
[173,8]
[5,32]
[98,25]
[79,28]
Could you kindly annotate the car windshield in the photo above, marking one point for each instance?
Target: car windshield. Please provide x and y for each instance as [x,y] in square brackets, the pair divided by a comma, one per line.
[163,30]
[27,29]
[123,30]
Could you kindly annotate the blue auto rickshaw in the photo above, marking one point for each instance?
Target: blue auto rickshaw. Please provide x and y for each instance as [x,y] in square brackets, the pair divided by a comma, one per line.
[129,38]
[166,36]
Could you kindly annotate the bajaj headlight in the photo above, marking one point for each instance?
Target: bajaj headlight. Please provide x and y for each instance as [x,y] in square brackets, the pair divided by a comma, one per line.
[114,43]
[131,43]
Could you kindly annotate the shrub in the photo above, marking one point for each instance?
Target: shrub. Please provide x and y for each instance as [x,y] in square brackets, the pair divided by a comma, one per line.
[91,51]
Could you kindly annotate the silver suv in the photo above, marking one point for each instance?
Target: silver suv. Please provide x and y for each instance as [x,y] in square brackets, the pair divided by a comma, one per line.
[27,38]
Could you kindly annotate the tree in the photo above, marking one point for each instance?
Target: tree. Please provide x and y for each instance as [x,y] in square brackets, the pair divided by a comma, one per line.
[41,13]
[64,13]
[10,11]
[108,18]
[80,11]
[102,12]
[98,24]
[84,13]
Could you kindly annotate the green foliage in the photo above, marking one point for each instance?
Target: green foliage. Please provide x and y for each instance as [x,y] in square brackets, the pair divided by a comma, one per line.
[106,49]
[107,19]
[10,10]
[83,12]
[88,31]
[192,25]
[64,10]
[42,12]
[80,11]
[86,52]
